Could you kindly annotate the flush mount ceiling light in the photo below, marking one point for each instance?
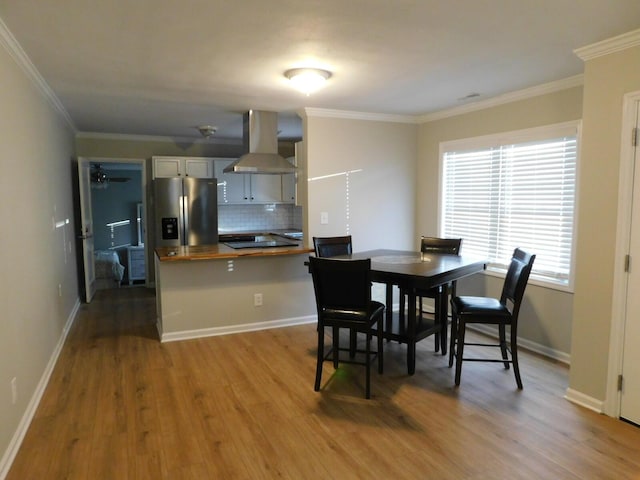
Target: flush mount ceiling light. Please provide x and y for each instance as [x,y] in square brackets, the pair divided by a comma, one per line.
[307,80]
[207,130]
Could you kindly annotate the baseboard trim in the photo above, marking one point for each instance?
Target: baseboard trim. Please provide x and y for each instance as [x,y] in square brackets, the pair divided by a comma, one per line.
[227,330]
[561,357]
[32,406]
[583,400]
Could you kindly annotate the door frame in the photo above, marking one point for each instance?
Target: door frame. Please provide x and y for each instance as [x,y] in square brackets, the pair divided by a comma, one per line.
[143,186]
[85,235]
[631,103]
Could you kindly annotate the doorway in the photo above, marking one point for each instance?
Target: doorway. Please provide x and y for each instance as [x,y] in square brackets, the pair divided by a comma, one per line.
[623,386]
[114,213]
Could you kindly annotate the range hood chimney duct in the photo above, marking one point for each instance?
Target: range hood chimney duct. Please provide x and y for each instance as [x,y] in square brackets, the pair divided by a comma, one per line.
[260,141]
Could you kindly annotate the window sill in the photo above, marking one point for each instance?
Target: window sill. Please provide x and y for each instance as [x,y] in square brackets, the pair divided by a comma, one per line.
[561,287]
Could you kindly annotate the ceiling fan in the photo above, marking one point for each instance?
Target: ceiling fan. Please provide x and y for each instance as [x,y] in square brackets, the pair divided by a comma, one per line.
[99,176]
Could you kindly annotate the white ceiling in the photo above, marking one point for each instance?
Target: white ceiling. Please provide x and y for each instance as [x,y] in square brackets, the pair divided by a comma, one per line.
[163,67]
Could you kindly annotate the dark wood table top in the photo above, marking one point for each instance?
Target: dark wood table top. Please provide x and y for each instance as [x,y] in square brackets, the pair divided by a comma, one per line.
[414,270]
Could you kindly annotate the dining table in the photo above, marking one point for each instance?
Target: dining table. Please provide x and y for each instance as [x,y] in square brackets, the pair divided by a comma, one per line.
[411,271]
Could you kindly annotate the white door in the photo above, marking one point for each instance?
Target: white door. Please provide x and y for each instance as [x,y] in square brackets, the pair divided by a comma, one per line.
[630,394]
[84,179]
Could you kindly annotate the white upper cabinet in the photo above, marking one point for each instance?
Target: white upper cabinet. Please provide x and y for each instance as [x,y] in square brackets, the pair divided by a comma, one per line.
[239,188]
[264,188]
[230,185]
[183,167]
[289,185]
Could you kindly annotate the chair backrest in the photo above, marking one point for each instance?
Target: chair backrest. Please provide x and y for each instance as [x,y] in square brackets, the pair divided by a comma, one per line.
[516,280]
[440,245]
[341,285]
[332,246]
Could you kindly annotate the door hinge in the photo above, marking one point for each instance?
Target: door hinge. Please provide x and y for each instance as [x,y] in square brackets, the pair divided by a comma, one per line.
[634,136]
[627,263]
[619,383]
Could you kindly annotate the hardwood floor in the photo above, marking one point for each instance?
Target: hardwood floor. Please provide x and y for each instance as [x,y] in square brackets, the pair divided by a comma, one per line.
[120,405]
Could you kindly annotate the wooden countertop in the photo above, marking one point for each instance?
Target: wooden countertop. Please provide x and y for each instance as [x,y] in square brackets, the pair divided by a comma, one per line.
[220,251]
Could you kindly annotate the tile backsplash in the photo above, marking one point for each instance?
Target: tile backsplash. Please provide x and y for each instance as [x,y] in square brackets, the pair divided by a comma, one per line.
[272,216]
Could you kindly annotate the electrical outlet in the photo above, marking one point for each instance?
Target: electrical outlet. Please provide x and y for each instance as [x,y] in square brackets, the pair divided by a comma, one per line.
[324,218]
[257,299]
[14,390]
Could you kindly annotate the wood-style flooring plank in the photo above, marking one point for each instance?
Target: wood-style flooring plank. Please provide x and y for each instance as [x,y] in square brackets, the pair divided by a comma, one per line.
[121,405]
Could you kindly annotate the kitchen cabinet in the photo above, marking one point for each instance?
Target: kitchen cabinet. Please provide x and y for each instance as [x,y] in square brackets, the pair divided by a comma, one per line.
[238,188]
[289,192]
[197,167]
[135,263]
[230,185]
[289,188]
[263,188]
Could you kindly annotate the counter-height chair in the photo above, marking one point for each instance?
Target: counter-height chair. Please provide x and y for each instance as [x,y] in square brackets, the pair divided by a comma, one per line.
[447,246]
[343,300]
[330,247]
[502,312]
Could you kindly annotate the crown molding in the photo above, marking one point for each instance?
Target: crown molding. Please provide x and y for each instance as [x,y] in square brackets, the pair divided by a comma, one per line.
[550,87]
[611,45]
[545,88]
[11,45]
[156,138]
[350,115]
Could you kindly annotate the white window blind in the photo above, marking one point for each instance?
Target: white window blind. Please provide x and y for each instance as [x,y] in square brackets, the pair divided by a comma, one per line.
[509,195]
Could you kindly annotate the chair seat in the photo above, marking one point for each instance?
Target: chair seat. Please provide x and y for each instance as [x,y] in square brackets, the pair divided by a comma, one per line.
[481,309]
[365,317]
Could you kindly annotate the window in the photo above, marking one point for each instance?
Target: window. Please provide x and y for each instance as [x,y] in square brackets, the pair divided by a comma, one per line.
[514,190]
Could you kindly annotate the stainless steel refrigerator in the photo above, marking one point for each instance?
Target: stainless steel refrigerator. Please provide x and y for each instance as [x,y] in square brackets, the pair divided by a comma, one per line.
[186,211]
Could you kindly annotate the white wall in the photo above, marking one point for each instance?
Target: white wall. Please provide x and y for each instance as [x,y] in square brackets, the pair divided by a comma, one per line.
[377,205]
[36,150]
[546,315]
[607,79]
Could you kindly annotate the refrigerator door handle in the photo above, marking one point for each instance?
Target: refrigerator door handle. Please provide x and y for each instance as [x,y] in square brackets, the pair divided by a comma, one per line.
[184,211]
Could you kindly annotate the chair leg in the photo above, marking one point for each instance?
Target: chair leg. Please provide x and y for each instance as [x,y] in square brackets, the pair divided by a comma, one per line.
[367,391]
[514,358]
[353,342]
[336,346]
[454,335]
[320,357]
[460,349]
[380,349]
[503,345]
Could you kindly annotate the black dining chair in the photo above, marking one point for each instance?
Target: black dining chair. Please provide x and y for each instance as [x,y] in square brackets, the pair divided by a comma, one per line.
[446,246]
[343,300]
[502,312]
[330,247]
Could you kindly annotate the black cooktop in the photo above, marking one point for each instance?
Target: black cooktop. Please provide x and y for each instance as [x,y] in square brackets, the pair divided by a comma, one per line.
[261,244]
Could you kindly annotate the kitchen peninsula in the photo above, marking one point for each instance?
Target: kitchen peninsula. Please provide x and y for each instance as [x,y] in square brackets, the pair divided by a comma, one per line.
[215,289]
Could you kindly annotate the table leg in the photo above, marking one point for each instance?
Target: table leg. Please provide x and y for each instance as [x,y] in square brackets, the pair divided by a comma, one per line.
[443,316]
[389,312]
[411,333]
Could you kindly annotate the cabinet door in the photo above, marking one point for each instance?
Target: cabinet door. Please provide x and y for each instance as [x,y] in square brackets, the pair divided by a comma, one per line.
[289,192]
[266,188]
[167,167]
[231,186]
[198,167]
[289,188]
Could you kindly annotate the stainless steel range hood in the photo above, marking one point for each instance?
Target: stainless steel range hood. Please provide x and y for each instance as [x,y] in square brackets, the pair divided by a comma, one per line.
[260,137]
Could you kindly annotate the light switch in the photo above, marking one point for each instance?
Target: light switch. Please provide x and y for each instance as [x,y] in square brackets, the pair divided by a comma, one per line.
[324,218]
